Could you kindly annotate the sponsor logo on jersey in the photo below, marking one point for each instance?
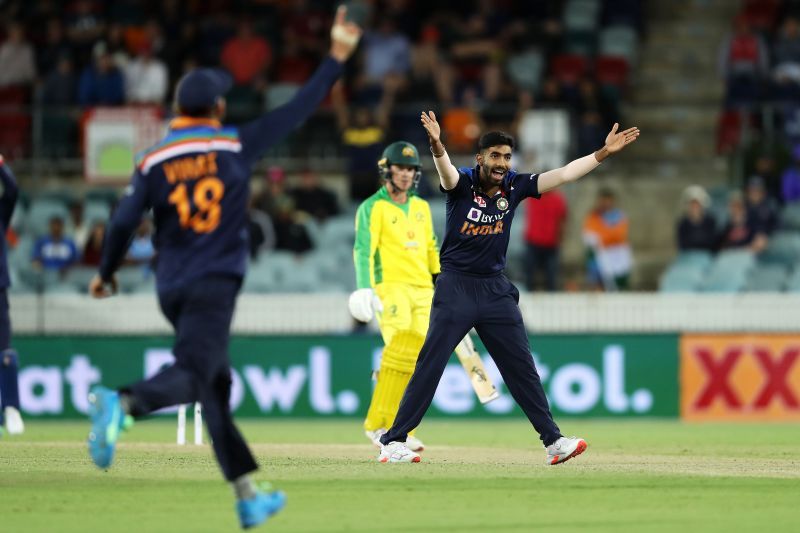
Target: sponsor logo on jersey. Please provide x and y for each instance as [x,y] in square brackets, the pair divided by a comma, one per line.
[479,200]
[474,215]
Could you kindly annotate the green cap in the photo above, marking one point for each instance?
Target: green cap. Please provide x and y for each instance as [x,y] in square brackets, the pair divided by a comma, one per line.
[400,153]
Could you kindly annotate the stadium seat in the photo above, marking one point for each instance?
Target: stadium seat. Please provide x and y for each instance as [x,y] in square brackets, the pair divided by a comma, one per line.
[612,71]
[619,41]
[338,230]
[695,258]
[581,15]
[582,43]
[130,277]
[783,248]
[278,94]
[96,211]
[682,277]
[768,277]
[525,69]
[40,213]
[80,276]
[790,217]
[729,271]
[793,282]
[544,137]
[569,68]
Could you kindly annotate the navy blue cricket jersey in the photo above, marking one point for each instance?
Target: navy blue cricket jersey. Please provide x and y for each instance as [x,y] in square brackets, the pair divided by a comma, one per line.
[7,202]
[197,181]
[478,226]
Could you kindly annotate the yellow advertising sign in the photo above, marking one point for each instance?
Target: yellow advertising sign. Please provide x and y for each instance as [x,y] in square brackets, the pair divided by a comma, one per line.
[740,377]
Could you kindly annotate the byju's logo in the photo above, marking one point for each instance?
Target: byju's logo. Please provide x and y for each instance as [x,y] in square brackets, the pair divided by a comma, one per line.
[474,215]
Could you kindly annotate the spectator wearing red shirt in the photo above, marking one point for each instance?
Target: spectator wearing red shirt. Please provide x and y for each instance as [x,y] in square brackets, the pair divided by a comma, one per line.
[544,227]
[247,55]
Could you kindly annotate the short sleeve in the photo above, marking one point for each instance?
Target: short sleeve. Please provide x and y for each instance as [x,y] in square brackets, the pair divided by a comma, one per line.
[529,183]
[463,186]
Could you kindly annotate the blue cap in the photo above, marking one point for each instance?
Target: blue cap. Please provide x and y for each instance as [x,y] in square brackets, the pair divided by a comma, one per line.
[200,88]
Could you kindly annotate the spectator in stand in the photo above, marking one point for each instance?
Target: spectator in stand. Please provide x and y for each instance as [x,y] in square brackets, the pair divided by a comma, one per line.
[475,52]
[116,46]
[387,54]
[273,191]
[294,65]
[260,230]
[290,233]
[429,66]
[786,54]
[55,251]
[247,55]
[77,226]
[544,229]
[85,25]
[146,78]
[17,66]
[605,232]
[790,180]
[141,251]
[312,198]
[60,85]
[743,62]
[550,94]
[54,49]
[760,207]
[697,229]
[94,245]
[101,83]
[363,131]
[741,231]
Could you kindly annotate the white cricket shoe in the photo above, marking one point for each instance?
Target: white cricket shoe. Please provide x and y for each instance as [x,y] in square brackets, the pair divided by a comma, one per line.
[397,452]
[375,436]
[564,449]
[14,423]
[414,444]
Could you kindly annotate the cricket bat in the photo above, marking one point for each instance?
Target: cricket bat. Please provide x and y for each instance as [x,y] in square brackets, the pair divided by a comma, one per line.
[473,364]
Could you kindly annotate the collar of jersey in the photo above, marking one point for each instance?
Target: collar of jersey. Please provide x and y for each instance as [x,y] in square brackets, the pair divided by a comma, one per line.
[505,186]
[180,123]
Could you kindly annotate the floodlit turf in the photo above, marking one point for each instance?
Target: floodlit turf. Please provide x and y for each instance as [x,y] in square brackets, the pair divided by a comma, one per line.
[475,476]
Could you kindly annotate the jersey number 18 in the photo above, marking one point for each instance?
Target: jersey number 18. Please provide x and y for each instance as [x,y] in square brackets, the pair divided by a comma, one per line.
[206,196]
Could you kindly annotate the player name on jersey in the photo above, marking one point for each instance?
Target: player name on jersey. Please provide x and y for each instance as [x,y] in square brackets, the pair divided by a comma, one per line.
[191,168]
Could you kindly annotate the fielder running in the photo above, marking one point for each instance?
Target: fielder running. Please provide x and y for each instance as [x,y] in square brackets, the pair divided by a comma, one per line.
[197,183]
[472,290]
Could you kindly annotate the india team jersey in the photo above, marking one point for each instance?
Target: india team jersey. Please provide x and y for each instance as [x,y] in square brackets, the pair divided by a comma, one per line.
[478,226]
[196,181]
[394,242]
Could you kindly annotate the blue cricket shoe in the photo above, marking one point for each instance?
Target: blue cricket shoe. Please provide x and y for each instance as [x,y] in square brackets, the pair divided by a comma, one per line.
[107,418]
[256,510]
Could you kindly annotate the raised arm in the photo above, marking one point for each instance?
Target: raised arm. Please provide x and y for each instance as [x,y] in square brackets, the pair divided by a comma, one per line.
[259,135]
[615,141]
[448,174]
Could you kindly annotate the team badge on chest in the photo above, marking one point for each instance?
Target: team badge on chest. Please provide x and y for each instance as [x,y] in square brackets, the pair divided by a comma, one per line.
[502,204]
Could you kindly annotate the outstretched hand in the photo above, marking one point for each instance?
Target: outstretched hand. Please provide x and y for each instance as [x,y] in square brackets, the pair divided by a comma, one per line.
[431,126]
[616,141]
[345,35]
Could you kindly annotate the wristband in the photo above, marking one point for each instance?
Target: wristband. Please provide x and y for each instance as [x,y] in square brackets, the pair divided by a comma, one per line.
[435,154]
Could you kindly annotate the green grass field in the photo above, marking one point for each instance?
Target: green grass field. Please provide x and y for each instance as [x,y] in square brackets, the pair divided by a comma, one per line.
[475,476]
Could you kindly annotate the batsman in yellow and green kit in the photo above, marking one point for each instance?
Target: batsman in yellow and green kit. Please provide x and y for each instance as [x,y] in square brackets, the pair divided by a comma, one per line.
[396,256]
